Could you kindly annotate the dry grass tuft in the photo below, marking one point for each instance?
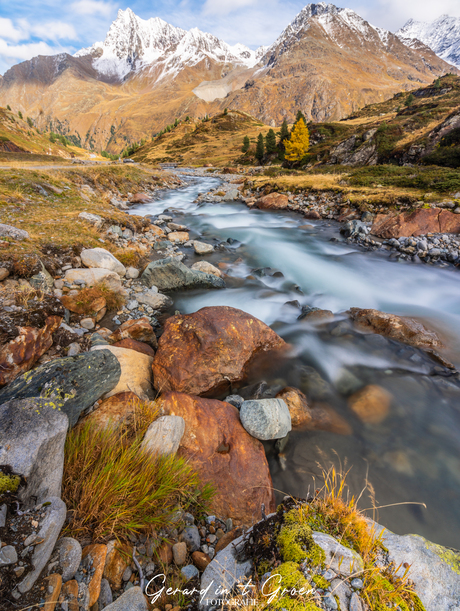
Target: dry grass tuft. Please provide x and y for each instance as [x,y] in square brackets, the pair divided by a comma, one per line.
[135,256]
[114,488]
[113,299]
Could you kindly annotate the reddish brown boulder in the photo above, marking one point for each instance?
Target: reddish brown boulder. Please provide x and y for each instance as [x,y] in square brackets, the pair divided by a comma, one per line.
[139,329]
[133,344]
[200,560]
[276,201]
[312,214]
[69,595]
[91,304]
[164,553]
[225,455]
[115,411]
[318,416]
[419,222]
[207,351]
[139,198]
[19,354]
[406,330]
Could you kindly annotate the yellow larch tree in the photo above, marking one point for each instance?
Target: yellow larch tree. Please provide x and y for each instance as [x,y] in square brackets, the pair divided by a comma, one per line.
[297,145]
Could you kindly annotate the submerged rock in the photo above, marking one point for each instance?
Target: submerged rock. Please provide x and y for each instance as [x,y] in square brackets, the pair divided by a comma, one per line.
[266,418]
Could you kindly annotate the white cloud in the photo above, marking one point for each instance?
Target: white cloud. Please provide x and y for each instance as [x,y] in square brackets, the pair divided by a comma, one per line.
[8,31]
[27,50]
[54,30]
[223,7]
[93,7]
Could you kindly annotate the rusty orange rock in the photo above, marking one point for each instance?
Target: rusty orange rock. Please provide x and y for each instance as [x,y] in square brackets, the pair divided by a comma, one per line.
[164,553]
[94,555]
[69,594]
[19,354]
[224,454]
[419,222]
[116,561]
[205,352]
[115,411]
[228,538]
[139,198]
[53,591]
[276,201]
[139,329]
[200,560]
[134,344]
[318,416]
[371,404]
[88,306]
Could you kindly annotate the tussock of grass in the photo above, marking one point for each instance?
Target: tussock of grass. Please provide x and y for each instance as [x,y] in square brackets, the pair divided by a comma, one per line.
[134,256]
[114,488]
[113,299]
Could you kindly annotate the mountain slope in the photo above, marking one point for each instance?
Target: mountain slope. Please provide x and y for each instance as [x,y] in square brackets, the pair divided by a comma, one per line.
[328,62]
[442,35]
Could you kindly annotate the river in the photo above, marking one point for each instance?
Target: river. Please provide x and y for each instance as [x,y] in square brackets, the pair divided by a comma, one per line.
[413,456]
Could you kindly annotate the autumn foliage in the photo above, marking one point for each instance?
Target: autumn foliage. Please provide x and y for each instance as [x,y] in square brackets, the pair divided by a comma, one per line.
[297,145]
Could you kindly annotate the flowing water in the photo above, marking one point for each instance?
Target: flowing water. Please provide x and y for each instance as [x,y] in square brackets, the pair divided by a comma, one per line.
[274,258]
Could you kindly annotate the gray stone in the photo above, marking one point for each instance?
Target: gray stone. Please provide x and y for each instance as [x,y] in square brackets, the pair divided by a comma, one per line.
[164,435]
[179,551]
[127,573]
[105,595]
[207,268]
[102,258]
[201,248]
[266,418]
[8,555]
[224,571]
[329,601]
[94,276]
[191,536]
[435,570]
[87,323]
[234,400]
[189,572]
[231,195]
[339,558]
[8,231]
[43,280]
[132,304]
[357,584]
[32,438]
[90,218]
[342,590]
[50,527]
[132,273]
[155,300]
[169,274]
[3,512]
[355,603]
[74,349]
[131,600]
[69,551]
[72,384]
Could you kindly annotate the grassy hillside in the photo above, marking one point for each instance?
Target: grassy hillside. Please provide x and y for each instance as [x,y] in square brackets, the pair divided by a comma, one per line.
[20,140]
[217,141]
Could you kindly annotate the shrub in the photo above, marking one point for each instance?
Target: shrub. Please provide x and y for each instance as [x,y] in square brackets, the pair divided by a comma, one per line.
[114,488]
[20,114]
[8,107]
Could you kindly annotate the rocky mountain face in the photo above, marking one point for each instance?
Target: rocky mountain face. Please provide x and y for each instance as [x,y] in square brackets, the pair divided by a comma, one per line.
[442,36]
[147,72]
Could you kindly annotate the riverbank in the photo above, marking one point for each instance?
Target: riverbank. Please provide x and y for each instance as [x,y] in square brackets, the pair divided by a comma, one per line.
[60,327]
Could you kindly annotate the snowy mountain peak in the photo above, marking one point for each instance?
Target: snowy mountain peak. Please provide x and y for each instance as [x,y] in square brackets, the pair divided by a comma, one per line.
[133,43]
[442,36]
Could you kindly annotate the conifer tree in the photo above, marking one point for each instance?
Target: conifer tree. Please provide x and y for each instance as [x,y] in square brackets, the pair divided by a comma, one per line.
[297,145]
[409,99]
[270,142]
[246,144]
[284,132]
[260,149]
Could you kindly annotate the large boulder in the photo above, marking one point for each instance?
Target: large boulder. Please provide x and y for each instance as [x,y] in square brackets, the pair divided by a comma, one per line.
[170,274]
[266,418]
[209,350]
[19,354]
[224,454]
[94,276]
[32,438]
[434,570]
[102,258]
[136,372]
[403,329]
[71,384]
[8,231]
[419,222]
[317,416]
[134,344]
[139,329]
[273,201]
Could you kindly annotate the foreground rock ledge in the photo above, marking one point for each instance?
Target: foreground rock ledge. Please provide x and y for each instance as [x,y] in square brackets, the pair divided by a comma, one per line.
[205,352]
[224,454]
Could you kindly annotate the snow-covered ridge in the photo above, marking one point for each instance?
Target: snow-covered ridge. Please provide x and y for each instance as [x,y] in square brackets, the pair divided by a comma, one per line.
[442,36]
[133,43]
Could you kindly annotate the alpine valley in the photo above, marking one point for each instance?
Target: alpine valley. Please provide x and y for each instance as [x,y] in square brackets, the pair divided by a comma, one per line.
[147,72]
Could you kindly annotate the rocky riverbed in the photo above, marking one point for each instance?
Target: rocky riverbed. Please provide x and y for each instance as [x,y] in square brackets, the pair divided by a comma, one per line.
[83,344]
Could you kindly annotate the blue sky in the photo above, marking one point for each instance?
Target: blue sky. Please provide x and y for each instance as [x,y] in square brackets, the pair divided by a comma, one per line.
[45,27]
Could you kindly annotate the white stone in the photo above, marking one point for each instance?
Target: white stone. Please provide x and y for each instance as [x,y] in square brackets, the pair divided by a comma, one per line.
[91,218]
[87,323]
[155,300]
[132,273]
[94,276]
[164,435]
[102,258]
[201,248]
[207,268]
